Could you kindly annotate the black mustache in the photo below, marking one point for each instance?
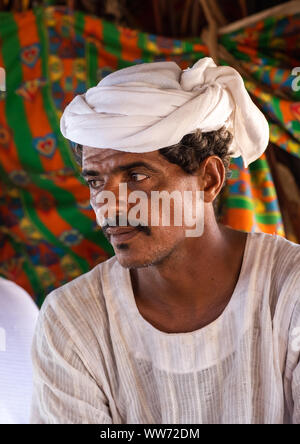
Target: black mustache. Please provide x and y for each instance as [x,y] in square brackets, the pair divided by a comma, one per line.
[116,223]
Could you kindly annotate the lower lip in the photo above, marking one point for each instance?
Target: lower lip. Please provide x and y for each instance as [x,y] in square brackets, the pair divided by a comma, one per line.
[123,236]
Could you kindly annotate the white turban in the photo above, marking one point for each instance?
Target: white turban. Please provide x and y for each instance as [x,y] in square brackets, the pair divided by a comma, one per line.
[153,105]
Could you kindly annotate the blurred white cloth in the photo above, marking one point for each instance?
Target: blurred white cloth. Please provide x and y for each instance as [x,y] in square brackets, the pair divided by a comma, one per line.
[18,315]
[149,106]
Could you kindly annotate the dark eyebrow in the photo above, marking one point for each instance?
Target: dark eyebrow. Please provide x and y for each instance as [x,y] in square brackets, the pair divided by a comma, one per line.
[119,168]
[86,173]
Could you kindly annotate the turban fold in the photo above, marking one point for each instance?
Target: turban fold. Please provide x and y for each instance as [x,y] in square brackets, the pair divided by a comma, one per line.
[153,105]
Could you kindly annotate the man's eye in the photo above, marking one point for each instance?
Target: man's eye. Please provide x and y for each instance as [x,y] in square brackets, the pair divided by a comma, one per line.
[138,177]
[94,183]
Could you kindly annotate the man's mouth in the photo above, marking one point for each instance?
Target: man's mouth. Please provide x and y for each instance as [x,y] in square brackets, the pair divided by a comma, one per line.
[118,234]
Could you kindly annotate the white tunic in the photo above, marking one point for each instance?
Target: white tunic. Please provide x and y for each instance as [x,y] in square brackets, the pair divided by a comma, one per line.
[97,360]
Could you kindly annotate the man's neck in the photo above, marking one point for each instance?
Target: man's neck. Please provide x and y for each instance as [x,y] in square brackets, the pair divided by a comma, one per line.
[197,277]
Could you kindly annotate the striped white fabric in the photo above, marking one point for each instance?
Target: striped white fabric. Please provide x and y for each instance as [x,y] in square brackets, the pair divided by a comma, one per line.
[97,360]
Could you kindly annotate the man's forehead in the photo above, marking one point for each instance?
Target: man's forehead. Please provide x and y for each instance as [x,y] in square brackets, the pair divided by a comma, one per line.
[104,155]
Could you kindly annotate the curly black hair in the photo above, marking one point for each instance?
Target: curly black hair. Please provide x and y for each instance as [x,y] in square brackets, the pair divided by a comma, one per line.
[192,149]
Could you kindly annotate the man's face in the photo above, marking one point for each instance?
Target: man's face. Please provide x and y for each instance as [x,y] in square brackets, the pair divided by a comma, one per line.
[105,170]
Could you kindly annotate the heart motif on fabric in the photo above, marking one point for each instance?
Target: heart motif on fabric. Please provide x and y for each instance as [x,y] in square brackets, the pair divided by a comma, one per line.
[30,54]
[46,145]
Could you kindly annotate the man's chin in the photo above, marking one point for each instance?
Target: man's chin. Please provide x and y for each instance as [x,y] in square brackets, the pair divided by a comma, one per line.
[132,262]
[134,259]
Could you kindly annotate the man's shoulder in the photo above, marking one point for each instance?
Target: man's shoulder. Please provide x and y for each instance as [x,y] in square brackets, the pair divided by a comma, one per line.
[74,321]
[82,293]
[282,253]
[286,259]
[280,268]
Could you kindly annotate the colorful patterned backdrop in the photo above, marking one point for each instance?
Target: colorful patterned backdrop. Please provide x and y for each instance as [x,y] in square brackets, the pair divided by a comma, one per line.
[48,233]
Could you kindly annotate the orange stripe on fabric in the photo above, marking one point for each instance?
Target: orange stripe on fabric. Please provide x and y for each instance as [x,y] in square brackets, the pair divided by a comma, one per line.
[93,32]
[93,28]
[51,219]
[129,44]
[40,127]
[28,36]
[107,59]
[38,121]
[271,228]
[239,219]
[201,48]
[72,184]
[287,113]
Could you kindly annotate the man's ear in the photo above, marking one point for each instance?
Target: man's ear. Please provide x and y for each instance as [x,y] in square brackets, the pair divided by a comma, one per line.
[212,176]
